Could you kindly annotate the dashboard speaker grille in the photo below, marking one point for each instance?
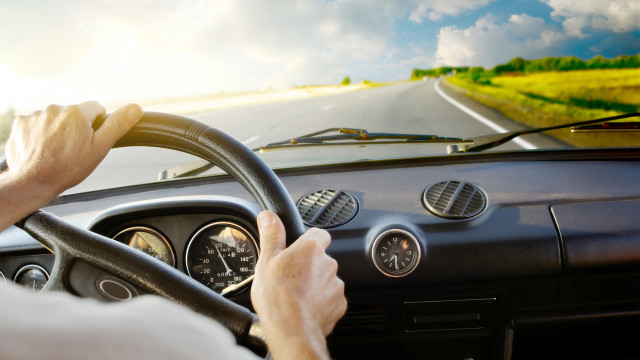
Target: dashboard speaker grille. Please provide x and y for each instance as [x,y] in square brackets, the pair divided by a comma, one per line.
[454,199]
[327,208]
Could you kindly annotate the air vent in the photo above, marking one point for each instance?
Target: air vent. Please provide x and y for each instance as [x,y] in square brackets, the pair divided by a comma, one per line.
[327,208]
[454,200]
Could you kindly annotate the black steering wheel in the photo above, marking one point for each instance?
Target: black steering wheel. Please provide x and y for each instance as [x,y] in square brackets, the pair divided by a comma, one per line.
[77,250]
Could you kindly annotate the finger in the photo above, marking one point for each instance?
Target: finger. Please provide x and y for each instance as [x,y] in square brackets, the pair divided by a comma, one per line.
[272,234]
[321,237]
[91,110]
[117,124]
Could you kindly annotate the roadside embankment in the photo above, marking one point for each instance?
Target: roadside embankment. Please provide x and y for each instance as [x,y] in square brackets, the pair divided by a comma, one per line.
[555,98]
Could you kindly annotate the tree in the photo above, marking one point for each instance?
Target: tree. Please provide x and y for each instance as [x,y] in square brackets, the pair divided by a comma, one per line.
[346,81]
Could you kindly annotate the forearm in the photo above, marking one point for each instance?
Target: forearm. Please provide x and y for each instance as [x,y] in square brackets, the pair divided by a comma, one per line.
[19,197]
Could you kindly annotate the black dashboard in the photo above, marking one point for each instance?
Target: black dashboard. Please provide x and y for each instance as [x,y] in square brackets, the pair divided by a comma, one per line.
[545,265]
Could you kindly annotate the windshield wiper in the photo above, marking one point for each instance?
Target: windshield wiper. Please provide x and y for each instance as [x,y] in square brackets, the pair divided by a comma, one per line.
[345,136]
[350,136]
[481,143]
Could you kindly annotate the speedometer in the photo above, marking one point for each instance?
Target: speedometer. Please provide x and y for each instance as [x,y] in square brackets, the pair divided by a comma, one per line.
[148,241]
[221,255]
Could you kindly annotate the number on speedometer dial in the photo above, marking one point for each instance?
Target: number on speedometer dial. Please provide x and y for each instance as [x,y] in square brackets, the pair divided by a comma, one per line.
[221,255]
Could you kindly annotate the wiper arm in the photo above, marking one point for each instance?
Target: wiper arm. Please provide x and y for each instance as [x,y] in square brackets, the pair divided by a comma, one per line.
[345,136]
[186,170]
[349,136]
[481,143]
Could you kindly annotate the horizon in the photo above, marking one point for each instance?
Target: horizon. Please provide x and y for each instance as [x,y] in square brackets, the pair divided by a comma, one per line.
[116,51]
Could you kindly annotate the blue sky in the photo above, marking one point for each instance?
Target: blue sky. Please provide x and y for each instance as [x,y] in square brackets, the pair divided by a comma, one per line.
[125,50]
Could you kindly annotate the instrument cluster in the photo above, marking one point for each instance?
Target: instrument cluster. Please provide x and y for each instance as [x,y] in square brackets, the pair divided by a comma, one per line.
[220,254]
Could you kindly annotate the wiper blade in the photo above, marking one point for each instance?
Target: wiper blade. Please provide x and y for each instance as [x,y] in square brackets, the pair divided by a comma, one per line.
[632,126]
[345,136]
[350,136]
[481,143]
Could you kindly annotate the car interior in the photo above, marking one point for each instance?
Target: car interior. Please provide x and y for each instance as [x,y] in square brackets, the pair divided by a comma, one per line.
[493,255]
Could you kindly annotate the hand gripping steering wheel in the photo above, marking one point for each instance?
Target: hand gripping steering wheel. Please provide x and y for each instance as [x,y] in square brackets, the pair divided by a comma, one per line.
[73,246]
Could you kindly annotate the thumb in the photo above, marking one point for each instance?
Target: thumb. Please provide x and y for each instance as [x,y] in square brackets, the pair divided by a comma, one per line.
[118,124]
[272,234]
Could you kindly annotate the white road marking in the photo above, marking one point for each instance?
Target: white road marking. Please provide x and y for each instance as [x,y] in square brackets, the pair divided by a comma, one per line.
[525,144]
[250,139]
[328,107]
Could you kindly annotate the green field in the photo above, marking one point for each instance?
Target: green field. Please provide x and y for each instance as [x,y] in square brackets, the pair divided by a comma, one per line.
[553,98]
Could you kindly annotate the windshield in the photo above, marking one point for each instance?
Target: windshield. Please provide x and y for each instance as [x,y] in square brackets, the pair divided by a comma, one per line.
[268,71]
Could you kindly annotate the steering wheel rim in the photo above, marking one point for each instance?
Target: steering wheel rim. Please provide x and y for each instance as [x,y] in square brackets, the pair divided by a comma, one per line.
[73,246]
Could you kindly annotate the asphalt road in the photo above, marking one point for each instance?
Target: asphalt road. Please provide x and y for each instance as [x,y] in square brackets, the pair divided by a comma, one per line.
[414,107]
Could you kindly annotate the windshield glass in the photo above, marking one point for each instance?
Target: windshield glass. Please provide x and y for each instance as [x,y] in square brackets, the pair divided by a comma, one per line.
[267,71]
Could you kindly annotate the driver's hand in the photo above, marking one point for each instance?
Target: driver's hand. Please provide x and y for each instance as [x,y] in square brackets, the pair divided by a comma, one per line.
[57,148]
[296,291]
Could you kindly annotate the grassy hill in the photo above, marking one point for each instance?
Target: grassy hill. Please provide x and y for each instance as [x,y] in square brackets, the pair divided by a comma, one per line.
[554,91]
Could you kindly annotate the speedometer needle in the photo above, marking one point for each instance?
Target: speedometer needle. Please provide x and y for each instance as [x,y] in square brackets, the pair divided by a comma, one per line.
[223,261]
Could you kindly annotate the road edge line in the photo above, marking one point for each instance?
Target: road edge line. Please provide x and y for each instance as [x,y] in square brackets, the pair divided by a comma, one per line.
[525,144]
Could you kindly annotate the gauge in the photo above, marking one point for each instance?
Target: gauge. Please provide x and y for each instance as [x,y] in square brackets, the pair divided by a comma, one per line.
[32,276]
[148,241]
[221,256]
[396,252]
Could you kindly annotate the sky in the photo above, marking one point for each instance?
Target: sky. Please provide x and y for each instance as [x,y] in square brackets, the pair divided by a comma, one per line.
[67,51]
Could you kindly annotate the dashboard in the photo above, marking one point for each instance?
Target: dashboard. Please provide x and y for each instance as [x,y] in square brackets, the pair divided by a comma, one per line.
[501,255]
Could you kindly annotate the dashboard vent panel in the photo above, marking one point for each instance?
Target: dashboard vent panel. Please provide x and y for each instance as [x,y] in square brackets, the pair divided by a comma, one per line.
[327,208]
[362,321]
[454,200]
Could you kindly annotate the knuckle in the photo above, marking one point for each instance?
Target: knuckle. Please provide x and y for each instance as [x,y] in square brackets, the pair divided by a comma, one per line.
[319,233]
[341,288]
[332,265]
[343,306]
[307,244]
[52,108]
[19,120]
[72,110]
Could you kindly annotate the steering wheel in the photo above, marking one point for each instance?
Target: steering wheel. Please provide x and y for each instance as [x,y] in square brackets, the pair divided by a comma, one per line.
[77,249]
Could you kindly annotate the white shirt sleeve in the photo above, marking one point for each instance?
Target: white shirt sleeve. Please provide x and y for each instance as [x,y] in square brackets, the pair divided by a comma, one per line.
[61,326]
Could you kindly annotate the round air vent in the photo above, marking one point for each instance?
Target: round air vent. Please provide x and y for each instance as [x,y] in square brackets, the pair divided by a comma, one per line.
[454,199]
[327,208]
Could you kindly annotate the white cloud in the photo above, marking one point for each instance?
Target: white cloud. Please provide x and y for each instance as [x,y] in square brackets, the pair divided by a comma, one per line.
[141,48]
[578,15]
[489,42]
[196,46]
[434,10]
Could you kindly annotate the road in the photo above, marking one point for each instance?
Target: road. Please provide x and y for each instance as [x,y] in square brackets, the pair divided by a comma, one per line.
[414,107]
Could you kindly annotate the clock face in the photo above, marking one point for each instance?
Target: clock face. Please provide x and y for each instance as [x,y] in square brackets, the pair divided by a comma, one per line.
[396,253]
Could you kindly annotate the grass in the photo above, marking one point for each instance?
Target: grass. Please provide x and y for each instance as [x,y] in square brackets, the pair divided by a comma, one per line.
[554,98]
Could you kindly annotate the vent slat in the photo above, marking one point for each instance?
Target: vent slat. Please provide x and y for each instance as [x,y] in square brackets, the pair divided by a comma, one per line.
[327,208]
[454,200]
